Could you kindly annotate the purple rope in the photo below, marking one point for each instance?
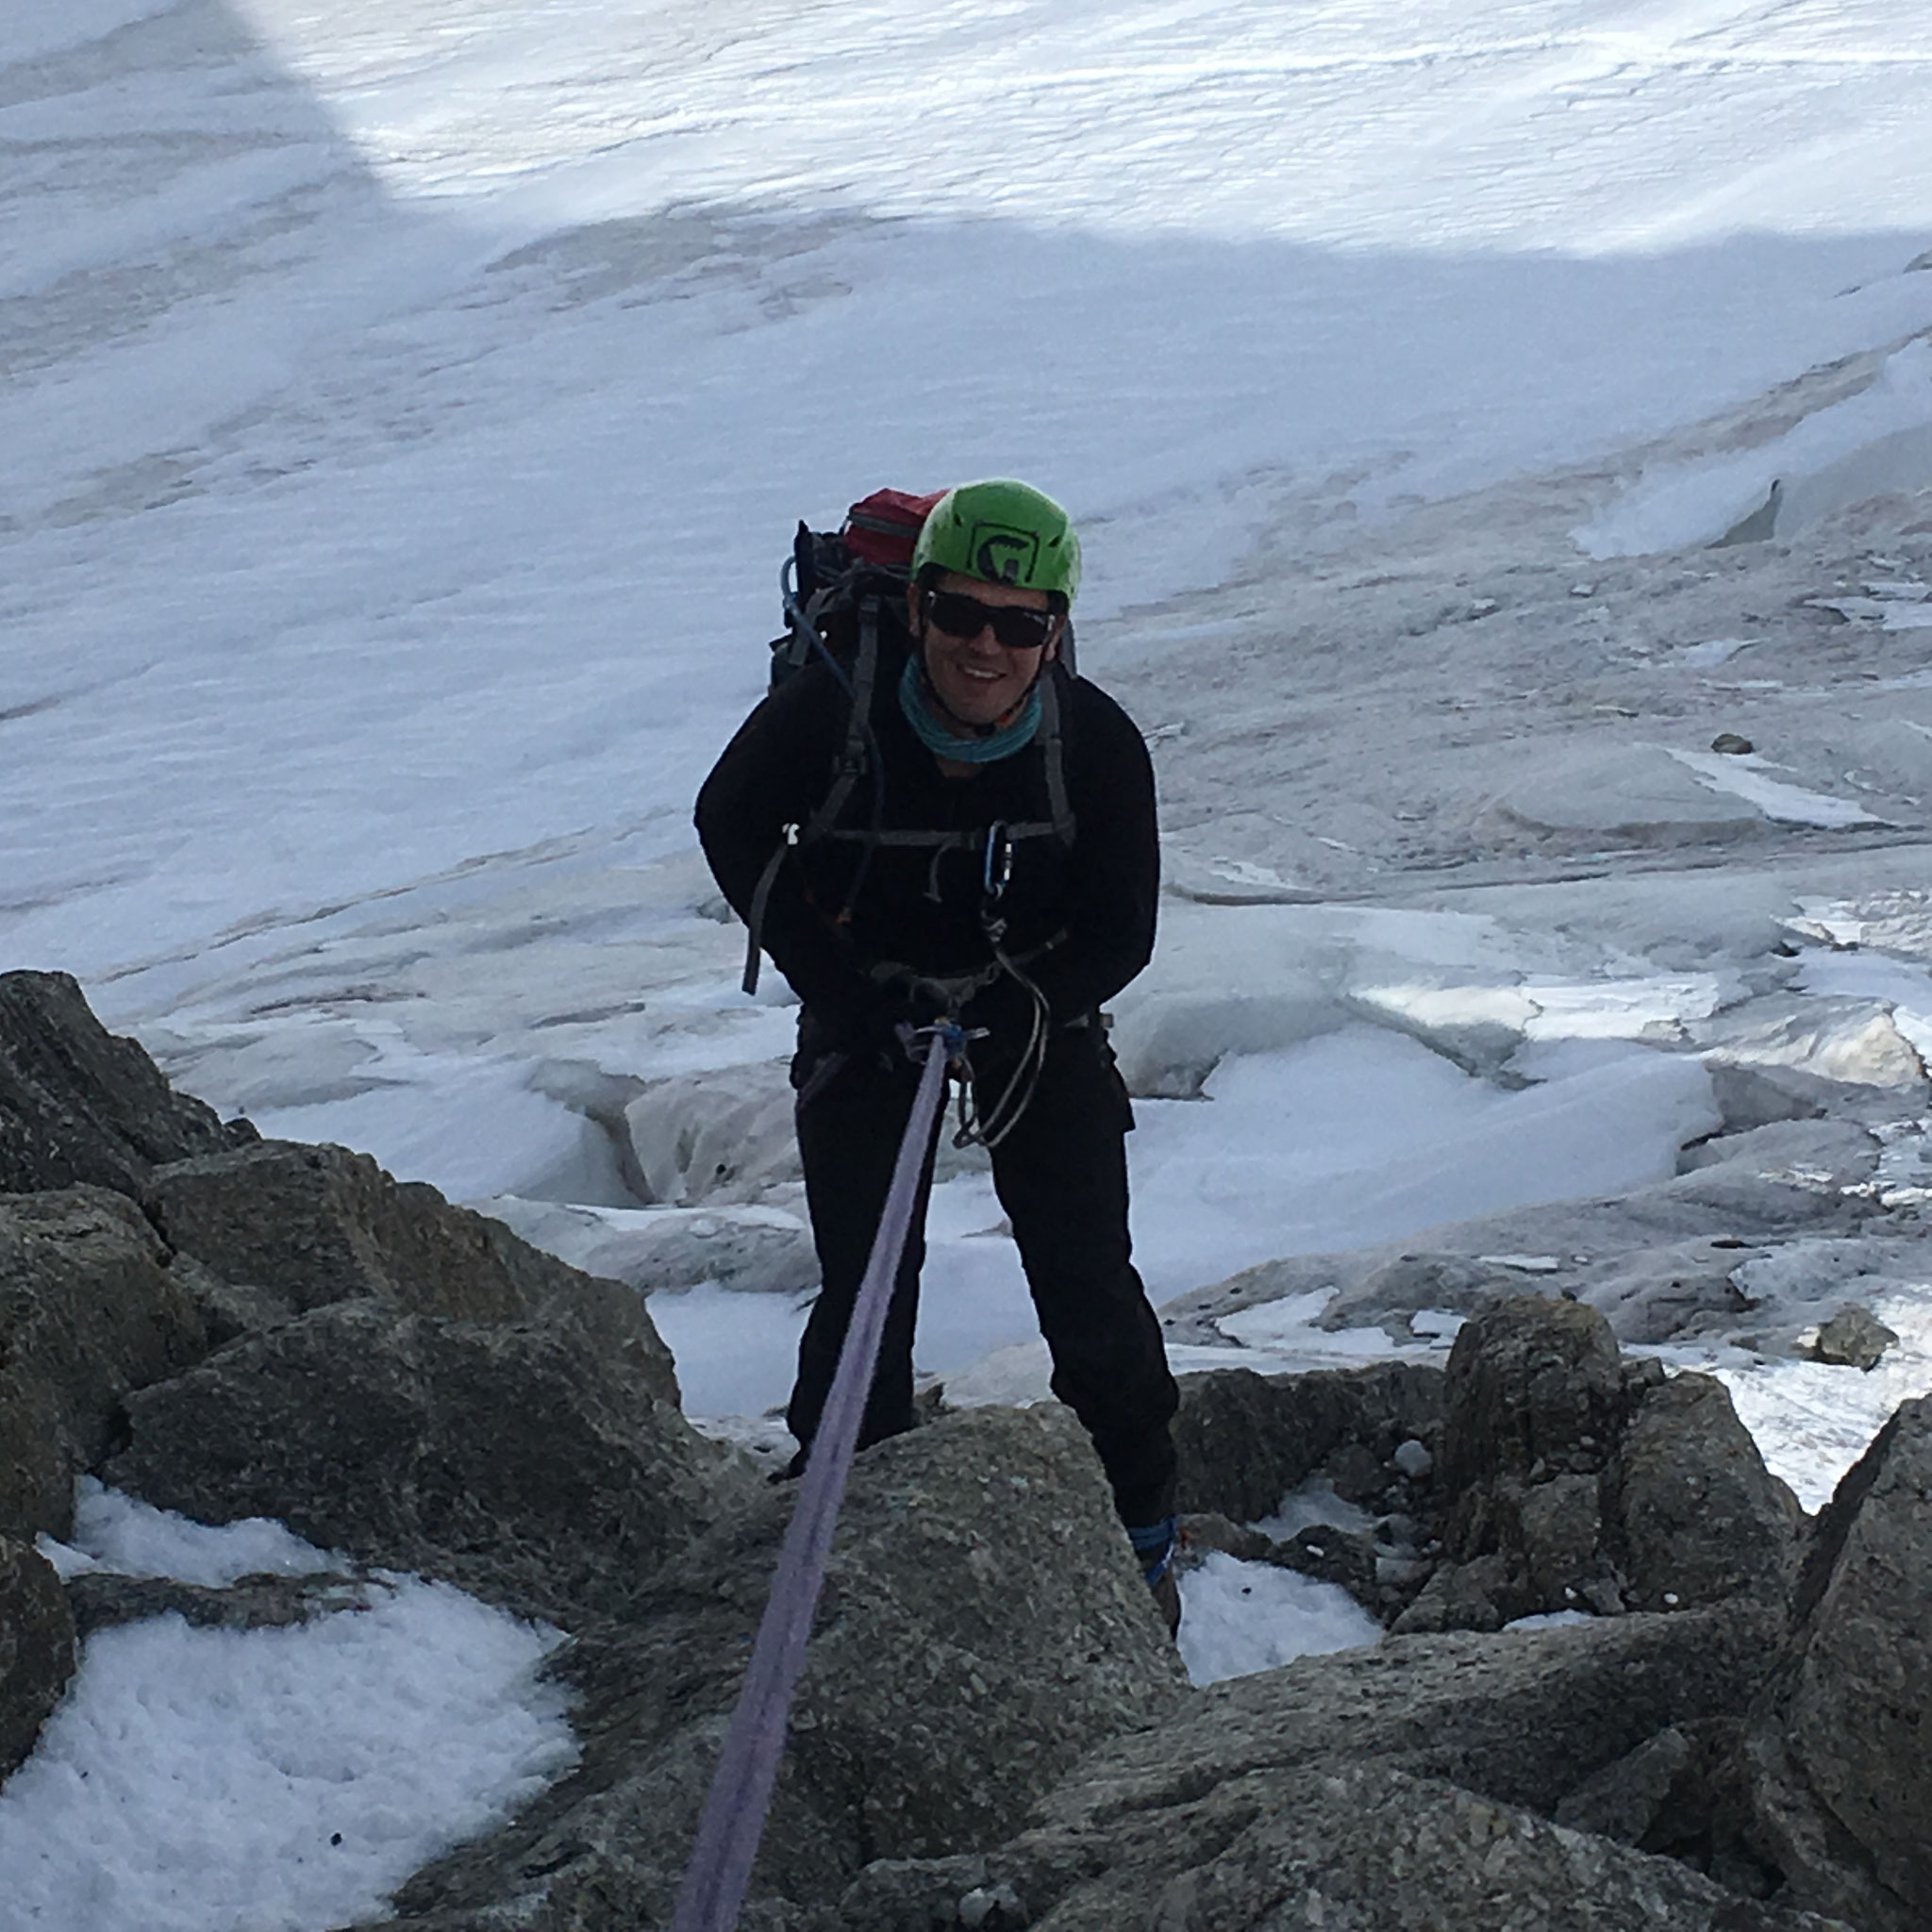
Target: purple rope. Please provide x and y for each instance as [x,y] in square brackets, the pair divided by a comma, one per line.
[720,1868]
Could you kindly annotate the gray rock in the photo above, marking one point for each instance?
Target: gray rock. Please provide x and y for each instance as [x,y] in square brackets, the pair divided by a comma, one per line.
[1681,1287]
[100,1599]
[37,1647]
[1334,1556]
[526,1463]
[1853,1337]
[1697,1517]
[1390,1294]
[1752,1096]
[1205,1531]
[1860,1706]
[1535,1398]
[1361,1850]
[1524,1717]
[89,1311]
[1315,1795]
[1465,1596]
[1563,1525]
[1623,1800]
[311,1226]
[1571,1480]
[1246,1439]
[983,1624]
[79,1104]
[229,1310]
[1534,1387]
[1841,1150]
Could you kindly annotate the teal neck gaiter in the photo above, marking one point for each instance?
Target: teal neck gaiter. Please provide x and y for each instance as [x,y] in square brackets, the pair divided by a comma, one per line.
[1002,744]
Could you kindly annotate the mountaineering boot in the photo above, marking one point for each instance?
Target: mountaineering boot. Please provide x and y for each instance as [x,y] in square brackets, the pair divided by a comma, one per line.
[1153,1544]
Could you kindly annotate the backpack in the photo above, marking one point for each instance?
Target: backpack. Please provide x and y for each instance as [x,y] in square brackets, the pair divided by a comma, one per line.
[830,582]
[843,597]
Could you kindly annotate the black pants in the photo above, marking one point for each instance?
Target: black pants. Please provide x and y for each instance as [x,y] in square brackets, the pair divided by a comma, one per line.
[1062,1175]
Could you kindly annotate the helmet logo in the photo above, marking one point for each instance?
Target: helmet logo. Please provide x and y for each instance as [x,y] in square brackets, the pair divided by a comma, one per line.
[1002,554]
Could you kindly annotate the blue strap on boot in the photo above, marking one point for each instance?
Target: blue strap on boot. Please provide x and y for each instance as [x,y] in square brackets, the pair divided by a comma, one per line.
[1153,1544]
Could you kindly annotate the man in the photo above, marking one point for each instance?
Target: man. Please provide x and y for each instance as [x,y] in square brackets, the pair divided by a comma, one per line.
[993,858]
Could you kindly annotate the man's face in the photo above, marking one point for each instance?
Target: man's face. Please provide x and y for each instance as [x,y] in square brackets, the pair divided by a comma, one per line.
[979,679]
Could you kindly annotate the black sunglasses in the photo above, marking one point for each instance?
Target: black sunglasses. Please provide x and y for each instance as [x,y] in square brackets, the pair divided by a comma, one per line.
[1016,628]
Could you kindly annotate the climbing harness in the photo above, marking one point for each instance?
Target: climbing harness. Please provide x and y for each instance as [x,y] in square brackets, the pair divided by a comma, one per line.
[990,1129]
[734,1815]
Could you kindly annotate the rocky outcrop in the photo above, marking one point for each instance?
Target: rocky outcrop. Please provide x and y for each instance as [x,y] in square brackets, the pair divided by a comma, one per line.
[89,1311]
[992,1730]
[1844,1784]
[1246,1439]
[511,1459]
[314,1224]
[1695,1517]
[1400,1788]
[1853,1337]
[982,1625]
[36,1648]
[1571,1480]
[79,1104]
[1366,1848]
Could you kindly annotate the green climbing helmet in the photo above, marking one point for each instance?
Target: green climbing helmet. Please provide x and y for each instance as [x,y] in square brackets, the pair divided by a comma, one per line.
[1001,532]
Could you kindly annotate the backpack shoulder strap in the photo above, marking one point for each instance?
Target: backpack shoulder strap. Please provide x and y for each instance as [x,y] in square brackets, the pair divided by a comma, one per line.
[848,767]
[1052,761]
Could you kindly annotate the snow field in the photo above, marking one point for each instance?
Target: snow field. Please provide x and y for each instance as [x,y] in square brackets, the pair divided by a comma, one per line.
[276,1780]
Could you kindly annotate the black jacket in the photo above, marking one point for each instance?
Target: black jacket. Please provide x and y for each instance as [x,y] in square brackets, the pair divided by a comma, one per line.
[1079,915]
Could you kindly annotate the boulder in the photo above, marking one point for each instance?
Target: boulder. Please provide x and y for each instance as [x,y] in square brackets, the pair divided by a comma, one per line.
[1623,1800]
[1860,1708]
[37,1647]
[1389,1788]
[1368,1849]
[525,1462]
[309,1225]
[1574,1480]
[1854,1337]
[1681,1795]
[79,1104]
[1524,1717]
[983,1622]
[1534,1387]
[1696,1517]
[1245,1440]
[89,1311]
